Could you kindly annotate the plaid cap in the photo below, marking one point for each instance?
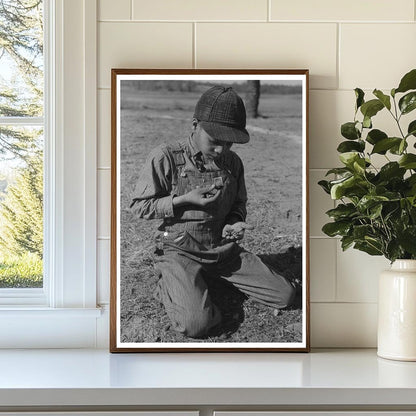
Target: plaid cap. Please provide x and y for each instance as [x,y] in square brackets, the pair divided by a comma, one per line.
[222,115]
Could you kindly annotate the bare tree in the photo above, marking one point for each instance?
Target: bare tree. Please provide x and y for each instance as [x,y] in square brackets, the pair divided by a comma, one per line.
[252,98]
[21,51]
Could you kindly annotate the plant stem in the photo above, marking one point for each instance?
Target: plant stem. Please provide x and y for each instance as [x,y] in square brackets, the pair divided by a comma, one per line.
[397,118]
[388,234]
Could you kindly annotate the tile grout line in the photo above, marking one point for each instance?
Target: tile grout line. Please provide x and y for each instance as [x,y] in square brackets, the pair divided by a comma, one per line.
[254,21]
[131,9]
[194,63]
[355,302]
[323,237]
[269,11]
[336,270]
[310,89]
[338,63]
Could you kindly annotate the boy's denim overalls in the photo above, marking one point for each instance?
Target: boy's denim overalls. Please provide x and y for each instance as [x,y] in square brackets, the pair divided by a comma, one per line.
[193,250]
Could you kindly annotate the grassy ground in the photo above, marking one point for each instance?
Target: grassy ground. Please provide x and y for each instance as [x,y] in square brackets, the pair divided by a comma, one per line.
[272,162]
[21,272]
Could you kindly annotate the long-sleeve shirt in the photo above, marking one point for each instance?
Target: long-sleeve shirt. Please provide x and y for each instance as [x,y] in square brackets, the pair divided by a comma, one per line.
[153,194]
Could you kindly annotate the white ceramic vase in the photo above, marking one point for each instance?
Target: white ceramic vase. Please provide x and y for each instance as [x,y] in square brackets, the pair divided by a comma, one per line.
[397,312]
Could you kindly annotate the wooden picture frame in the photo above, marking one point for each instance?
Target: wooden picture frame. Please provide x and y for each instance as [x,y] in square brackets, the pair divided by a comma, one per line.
[151,107]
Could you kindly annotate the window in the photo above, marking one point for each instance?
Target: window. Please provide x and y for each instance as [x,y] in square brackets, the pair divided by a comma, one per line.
[22,128]
[63,313]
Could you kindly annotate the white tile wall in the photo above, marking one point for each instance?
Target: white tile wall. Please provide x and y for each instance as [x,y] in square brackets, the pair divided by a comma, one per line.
[271,45]
[328,110]
[357,275]
[201,10]
[103,271]
[345,44]
[343,325]
[376,55]
[114,10]
[104,128]
[104,202]
[142,45]
[319,203]
[323,269]
[357,10]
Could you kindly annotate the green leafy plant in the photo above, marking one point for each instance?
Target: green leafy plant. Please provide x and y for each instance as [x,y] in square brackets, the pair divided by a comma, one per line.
[376,212]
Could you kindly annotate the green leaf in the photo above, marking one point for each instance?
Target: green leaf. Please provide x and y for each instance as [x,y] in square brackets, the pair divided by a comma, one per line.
[367,122]
[336,228]
[408,82]
[407,240]
[359,94]
[369,201]
[375,211]
[411,183]
[374,136]
[385,99]
[374,242]
[349,158]
[368,248]
[413,211]
[359,165]
[338,171]
[412,202]
[385,144]
[394,251]
[338,189]
[350,146]
[408,102]
[411,130]
[391,212]
[404,204]
[391,170]
[412,180]
[342,211]
[398,149]
[346,242]
[371,108]
[342,179]
[325,186]
[361,231]
[408,161]
[349,131]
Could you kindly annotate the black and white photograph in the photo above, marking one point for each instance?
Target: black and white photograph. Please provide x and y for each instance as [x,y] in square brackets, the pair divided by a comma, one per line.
[209,233]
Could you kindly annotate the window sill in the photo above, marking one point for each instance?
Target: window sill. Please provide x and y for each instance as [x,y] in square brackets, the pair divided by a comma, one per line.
[22,297]
[40,327]
[331,379]
[34,311]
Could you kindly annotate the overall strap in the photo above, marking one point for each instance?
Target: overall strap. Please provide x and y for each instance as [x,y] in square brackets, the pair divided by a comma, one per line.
[178,154]
[177,158]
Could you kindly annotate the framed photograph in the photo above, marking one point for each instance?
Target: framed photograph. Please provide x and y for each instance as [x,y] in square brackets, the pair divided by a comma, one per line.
[209,211]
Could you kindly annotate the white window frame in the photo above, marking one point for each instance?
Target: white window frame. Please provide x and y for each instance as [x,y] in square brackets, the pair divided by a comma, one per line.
[64,313]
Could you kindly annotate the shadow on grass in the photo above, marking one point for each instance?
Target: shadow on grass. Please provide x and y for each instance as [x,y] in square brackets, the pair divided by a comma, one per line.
[230,300]
[289,265]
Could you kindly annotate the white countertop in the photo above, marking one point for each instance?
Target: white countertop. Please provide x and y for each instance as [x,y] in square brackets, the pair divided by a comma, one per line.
[96,377]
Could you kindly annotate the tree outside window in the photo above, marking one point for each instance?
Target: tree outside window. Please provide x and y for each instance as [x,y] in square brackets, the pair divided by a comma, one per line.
[21,143]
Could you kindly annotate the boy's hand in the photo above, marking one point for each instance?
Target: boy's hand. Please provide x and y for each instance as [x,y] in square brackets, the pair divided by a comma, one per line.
[236,231]
[199,197]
